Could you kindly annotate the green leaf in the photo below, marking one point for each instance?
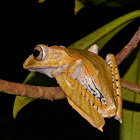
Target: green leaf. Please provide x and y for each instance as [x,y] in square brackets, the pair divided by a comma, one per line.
[34,79]
[109,29]
[78,6]
[112,3]
[101,36]
[130,128]
[41,1]
[20,101]
[101,42]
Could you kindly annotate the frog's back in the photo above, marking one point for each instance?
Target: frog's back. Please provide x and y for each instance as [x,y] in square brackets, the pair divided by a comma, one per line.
[90,60]
[98,70]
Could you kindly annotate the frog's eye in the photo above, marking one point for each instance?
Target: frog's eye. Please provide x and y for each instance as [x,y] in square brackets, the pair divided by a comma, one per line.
[39,53]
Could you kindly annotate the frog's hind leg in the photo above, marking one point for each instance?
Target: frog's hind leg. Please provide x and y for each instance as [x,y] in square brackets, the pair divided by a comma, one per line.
[81,100]
[110,59]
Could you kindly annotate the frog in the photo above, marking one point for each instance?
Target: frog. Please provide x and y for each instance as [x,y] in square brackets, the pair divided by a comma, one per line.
[91,84]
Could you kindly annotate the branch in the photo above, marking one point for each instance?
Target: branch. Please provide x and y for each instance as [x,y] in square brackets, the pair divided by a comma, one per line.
[130,86]
[36,92]
[54,93]
[123,54]
[128,48]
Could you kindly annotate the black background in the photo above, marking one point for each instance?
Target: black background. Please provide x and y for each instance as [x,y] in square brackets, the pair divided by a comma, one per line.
[27,23]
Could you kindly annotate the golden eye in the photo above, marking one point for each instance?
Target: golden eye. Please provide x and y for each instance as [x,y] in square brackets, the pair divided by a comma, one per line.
[39,53]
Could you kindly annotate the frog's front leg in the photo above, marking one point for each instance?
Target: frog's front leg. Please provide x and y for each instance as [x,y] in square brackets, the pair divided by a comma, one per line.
[78,97]
[110,59]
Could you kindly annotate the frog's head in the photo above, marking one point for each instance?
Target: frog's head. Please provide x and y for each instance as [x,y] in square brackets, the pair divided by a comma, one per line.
[45,59]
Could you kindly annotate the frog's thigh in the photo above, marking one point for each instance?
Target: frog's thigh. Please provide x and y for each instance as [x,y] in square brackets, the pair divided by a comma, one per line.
[110,59]
[77,99]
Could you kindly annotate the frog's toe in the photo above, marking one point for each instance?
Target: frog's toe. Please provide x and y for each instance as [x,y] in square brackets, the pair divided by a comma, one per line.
[110,111]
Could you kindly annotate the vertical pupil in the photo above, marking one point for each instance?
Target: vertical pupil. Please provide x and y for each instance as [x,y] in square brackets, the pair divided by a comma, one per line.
[36,53]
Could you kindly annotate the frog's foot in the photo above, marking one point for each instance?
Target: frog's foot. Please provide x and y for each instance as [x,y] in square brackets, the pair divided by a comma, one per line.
[110,111]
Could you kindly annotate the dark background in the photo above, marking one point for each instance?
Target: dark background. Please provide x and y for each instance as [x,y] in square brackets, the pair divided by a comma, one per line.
[25,23]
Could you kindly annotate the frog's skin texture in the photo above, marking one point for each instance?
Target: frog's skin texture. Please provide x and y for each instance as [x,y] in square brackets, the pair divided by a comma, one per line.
[92,85]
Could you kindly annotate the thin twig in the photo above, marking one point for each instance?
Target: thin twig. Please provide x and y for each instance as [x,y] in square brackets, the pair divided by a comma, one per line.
[128,48]
[130,86]
[123,54]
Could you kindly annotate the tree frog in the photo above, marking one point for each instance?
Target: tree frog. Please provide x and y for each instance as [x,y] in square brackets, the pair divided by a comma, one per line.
[91,84]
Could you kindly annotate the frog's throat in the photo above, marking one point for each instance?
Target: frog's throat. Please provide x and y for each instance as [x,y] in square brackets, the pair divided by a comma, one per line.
[47,70]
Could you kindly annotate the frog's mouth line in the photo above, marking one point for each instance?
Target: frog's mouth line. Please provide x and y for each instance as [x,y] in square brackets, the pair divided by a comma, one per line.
[46,70]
